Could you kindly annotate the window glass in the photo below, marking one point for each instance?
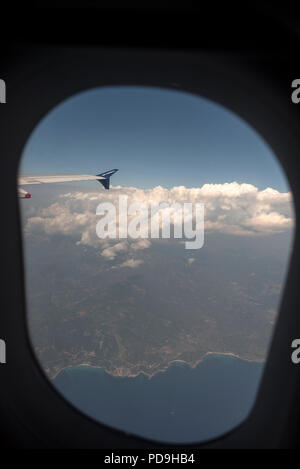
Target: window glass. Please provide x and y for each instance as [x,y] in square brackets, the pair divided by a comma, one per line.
[153,319]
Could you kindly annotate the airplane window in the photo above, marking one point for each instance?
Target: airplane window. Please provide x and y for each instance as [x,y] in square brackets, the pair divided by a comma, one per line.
[157,230]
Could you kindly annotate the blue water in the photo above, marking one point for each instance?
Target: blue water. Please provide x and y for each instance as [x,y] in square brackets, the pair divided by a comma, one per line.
[180,405]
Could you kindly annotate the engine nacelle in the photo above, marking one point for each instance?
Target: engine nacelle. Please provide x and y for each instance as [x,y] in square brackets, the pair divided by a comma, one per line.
[23,194]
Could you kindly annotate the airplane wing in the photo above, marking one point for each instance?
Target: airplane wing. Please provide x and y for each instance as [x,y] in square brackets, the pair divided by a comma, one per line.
[23,180]
[103,178]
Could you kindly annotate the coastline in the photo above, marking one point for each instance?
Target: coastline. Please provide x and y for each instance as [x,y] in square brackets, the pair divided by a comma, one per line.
[162,370]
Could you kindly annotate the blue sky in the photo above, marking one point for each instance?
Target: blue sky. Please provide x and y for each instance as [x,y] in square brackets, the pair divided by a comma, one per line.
[155,137]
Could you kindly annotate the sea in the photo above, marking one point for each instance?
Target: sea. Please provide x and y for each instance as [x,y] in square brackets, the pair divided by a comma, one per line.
[180,405]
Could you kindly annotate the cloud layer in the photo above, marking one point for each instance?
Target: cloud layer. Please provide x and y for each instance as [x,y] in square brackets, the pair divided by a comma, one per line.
[232,208]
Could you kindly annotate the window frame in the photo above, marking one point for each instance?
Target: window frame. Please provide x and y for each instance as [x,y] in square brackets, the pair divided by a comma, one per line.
[38,80]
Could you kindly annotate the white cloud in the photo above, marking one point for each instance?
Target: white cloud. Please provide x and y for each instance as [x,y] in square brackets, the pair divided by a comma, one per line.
[269,222]
[111,252]
[191,260]
[238,209]
[132,263]
[140,244]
